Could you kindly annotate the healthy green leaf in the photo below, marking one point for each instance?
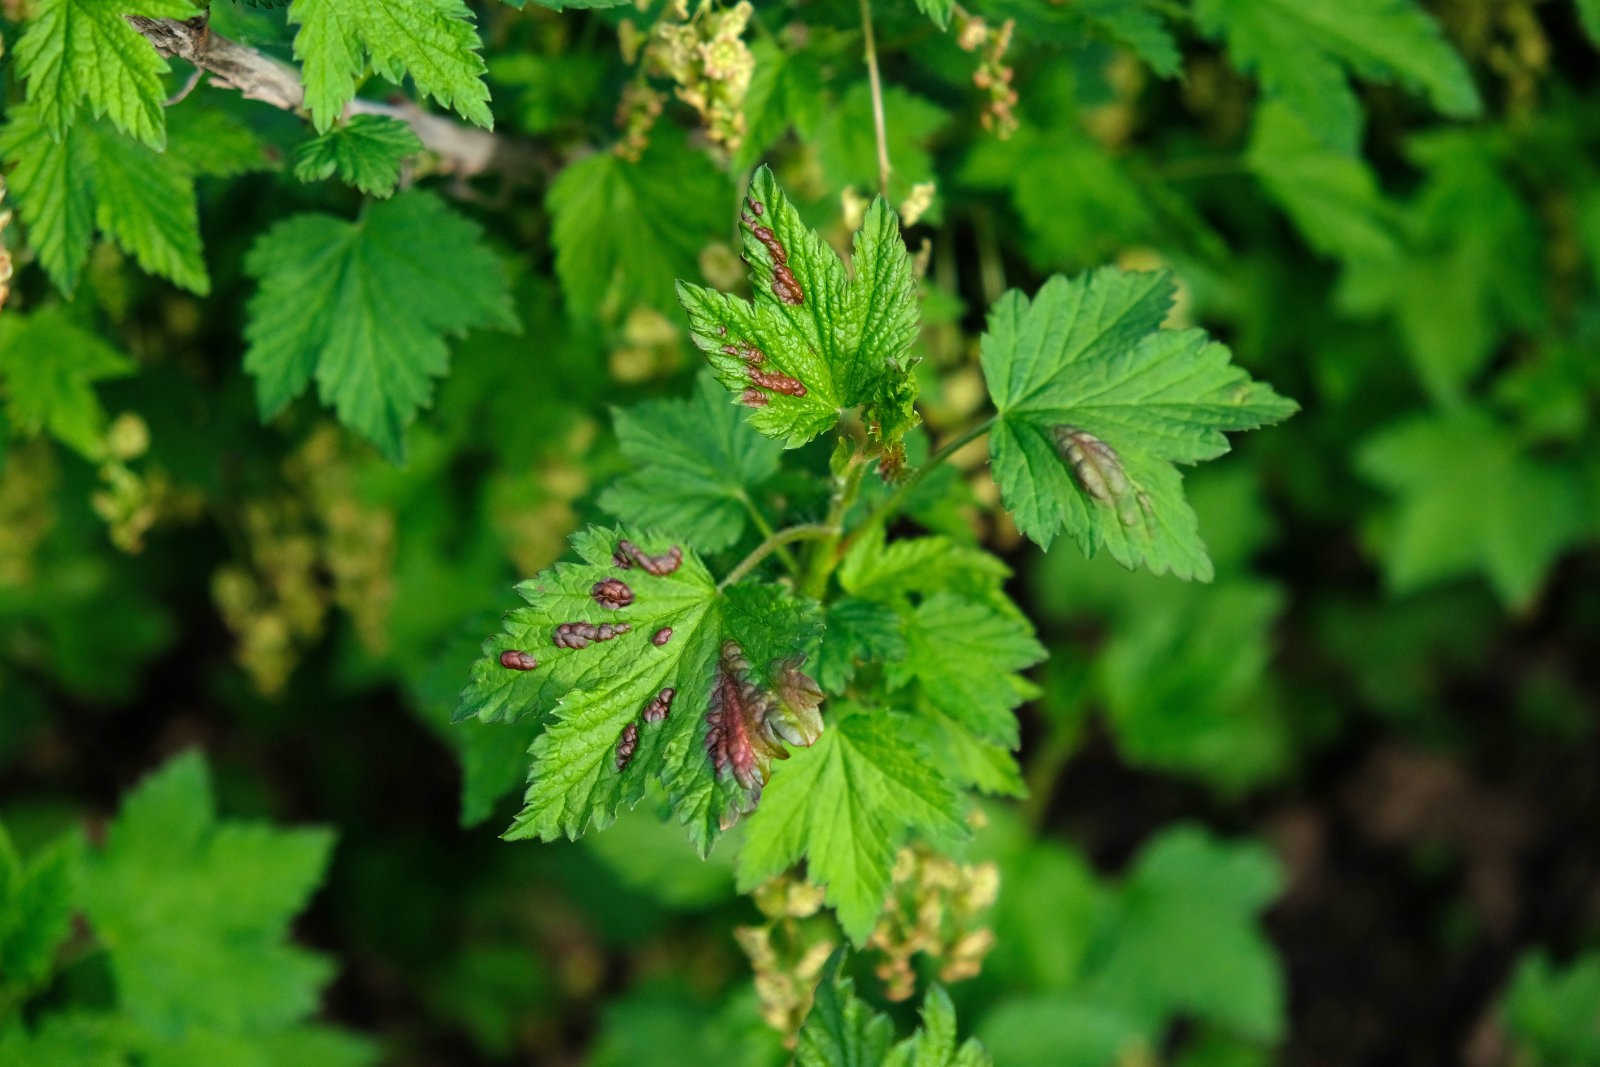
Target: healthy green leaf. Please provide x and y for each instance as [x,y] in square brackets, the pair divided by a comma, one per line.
[365,306]
[195,912]
[1302,53]
[964,653]
[639,668]
[1184,939]
[937,10]
[210,140]
[1589,15]
[48,367]
[844,806]
[847,147]
[568,5]
[145,201]
[623,230]
[1473,245]
[433,41]
[694,464]
[813,342]
[1470,501]
[934,1045]
[49,184]
[844,1031]
[1551,1012]
[1096,404]
[1332,197]
[365,152]
[1137,24]
[86,51]
[142,199]
[37,900]
[858,632]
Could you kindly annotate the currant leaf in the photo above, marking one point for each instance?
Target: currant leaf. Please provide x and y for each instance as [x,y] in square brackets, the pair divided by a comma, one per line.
[844,806]
[1096,404]
[694,464]
[433,41]
[365,306]
[639,668]
[813,341]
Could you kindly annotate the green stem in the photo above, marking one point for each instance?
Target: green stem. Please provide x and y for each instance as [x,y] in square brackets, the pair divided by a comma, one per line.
[879,127]
[807,532]
[824,555]
[897,499]
[1045,771]
[765,528]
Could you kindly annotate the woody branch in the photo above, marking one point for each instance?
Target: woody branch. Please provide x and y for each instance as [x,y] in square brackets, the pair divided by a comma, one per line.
[463,150]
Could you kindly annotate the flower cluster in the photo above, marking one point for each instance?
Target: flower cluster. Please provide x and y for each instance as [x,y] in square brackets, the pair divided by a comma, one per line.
[936,907]
[704,56]
[993,76]
[787,952]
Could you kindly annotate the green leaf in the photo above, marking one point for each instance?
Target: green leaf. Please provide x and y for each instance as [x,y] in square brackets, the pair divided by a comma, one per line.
[638,676]
[1551,1013]
[365,307]
[86,51]
[1078,203]
[1183,687]
[1472,245]
[1332,197]
[813,342]
[786,90]
[693,465]
[937,10]
[365,152]
[1303,52]
[890,571]
[847,146]
[195,912]
[50,185]
[622,230]
[842,1030]
[143,200]
[1096,404]
[433,41]
[1184,939]
[568,5]
[1138,24]
[858,632]
[1470,501]
[48,367]
[37,901]
[208,139]
[1045,1030]
[1589,15]
[934,1045]
[964,653]
[844,806]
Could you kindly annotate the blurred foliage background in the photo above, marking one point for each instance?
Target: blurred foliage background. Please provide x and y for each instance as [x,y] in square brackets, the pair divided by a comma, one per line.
[1338,806]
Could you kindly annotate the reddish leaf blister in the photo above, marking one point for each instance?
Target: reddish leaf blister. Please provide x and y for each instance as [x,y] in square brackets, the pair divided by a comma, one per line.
[660,705]
[612,593]
[747,725]
[514,659]
[628,554]
[661,636]
[1099,472]
[778,383]
[626,745]
[583,634]
[786,287]
[753,398]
